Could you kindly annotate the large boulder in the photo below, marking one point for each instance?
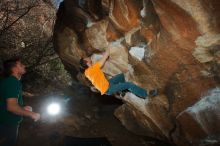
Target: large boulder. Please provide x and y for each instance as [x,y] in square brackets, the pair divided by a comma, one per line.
[172,45]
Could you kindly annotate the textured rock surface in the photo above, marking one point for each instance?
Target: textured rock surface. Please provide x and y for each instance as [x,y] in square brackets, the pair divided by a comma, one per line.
[203,117]
[172,45]
[26,30]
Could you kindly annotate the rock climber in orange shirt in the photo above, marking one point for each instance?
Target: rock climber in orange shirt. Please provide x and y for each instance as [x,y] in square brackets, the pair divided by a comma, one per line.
[116,84]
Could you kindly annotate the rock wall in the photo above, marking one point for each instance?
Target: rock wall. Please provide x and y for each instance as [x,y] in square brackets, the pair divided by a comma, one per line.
[172,45]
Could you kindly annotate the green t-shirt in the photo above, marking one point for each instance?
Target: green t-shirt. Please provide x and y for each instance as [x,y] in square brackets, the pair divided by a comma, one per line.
[10,87]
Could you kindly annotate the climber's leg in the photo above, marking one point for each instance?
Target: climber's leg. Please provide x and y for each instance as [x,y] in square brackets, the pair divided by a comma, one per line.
[120,78]
[138,91]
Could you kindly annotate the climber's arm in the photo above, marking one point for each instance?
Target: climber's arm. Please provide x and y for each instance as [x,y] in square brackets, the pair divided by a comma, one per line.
[105,57]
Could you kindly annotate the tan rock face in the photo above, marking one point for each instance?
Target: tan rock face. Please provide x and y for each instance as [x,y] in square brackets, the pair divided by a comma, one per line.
[127,11]
[96,35]
[165,44]
[202,117]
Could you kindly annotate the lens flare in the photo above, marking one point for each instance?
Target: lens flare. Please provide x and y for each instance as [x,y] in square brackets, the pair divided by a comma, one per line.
[53,109]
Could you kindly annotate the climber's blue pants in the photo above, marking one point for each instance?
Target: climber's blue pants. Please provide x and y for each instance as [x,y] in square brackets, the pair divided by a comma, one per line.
[118,83]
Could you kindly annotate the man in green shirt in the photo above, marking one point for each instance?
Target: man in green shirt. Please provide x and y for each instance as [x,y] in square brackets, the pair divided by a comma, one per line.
[11,102]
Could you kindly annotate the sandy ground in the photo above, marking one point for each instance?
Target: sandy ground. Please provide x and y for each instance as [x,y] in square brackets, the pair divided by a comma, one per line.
[84,114]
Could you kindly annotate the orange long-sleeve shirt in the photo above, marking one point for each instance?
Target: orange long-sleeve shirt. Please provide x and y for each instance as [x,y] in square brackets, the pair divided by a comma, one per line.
[97,77]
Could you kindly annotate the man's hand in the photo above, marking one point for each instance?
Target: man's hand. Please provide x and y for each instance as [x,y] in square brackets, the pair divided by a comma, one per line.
[15,108]
[28,108]
[35,116]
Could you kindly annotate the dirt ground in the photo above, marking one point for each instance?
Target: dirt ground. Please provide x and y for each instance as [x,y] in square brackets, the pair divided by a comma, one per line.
[84,114]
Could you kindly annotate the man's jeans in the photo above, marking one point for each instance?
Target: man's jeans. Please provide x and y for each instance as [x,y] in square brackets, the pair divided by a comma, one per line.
[118,83]
[8,135]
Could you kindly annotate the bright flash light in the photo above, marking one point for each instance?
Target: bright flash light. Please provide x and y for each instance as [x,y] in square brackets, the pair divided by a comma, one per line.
[53,109]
